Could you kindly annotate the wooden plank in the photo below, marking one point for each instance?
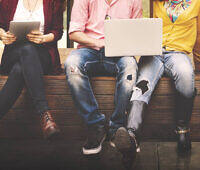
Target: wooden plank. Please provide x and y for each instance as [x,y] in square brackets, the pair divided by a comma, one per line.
[158,115]
[102,85]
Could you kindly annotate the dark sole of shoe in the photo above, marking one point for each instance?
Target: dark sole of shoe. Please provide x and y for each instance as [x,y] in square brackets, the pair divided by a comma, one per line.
[52,135]
[122,141]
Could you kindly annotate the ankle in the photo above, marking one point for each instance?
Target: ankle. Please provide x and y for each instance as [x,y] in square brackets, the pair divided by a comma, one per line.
[182,130]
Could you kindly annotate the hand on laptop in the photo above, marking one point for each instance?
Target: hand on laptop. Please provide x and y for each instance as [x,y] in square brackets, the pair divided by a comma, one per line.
[7,37]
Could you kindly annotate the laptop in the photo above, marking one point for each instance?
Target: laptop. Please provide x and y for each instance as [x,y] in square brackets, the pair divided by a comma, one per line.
[133,37]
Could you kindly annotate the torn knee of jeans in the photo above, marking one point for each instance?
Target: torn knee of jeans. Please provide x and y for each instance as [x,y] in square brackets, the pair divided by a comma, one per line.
[129,77]
[73,70]
[143,85]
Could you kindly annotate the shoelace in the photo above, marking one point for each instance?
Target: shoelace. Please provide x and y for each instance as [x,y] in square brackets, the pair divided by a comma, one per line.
[131,133]
[47,117]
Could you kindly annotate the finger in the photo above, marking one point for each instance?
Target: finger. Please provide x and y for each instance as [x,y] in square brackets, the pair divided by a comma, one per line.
[6,42]
[36,39]
[9,34]
[30,35]
[8,39]
[36,32]
[33,36]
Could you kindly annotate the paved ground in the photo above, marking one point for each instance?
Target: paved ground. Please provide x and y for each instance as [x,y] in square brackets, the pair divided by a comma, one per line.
[65,155]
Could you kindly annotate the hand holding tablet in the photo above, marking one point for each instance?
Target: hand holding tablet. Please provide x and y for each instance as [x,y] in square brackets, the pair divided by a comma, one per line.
[36,37]
[7,37]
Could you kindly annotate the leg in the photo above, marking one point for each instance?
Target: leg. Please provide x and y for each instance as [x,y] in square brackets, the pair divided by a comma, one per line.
[126,74]
[150,71]
[11,90]
[126,79]
[184,83]
[77,66]
[33,76]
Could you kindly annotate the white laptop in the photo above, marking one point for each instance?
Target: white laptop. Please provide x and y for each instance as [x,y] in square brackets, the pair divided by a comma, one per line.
[133,37]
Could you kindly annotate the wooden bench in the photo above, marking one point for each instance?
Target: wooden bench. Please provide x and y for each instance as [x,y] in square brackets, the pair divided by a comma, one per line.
[22,123]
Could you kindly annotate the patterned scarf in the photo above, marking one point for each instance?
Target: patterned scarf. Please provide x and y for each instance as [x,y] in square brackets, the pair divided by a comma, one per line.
[176,7]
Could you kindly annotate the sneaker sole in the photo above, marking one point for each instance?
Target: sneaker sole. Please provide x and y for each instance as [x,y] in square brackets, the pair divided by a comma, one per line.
[52,135]
[122,140]
[94,150]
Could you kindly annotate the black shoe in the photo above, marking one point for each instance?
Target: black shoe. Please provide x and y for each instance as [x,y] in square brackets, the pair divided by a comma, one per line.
[96,137]
[125,141]
[183,139]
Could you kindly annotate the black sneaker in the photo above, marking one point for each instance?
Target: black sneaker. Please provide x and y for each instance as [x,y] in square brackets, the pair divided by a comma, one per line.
[125,141]
[96,137]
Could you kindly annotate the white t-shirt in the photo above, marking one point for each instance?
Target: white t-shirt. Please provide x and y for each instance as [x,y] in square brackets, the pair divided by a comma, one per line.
[23,14]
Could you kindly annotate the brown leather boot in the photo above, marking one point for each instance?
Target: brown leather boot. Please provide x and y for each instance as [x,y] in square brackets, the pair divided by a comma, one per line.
[49,126]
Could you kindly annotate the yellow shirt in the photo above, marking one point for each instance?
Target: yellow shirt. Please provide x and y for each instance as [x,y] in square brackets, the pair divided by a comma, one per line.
[181,34]
[197,45]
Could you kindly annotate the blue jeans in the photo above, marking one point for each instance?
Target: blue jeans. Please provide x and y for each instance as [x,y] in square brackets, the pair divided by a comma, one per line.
[84,62]
[26,64]
[176,65]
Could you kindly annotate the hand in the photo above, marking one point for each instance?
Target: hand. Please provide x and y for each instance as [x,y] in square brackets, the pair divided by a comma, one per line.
[7,37]
[36,37]
[100,43]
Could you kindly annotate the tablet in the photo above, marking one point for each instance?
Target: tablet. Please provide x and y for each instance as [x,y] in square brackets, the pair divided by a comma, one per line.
[20,28]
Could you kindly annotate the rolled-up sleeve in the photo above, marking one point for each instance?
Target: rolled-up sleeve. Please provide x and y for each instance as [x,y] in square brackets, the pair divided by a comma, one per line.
[137,9]
[79,16]
[3,15]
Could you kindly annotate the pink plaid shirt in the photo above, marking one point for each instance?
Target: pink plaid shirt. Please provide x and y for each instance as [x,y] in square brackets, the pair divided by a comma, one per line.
[88,15]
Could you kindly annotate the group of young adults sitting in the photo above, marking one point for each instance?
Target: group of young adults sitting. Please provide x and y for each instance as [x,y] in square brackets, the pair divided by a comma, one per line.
[26,62]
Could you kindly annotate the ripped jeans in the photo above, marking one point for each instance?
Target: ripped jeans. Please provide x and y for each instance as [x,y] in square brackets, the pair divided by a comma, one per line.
[177,65]
[85,62]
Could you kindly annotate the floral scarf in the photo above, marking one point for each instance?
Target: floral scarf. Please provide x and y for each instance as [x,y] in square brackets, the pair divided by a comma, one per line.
[176,7]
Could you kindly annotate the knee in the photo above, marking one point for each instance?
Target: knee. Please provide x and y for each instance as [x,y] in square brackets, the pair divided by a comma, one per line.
[17,70]
[74,70]
[127,69]
[185,70]
[141,91]
[27,48]
[141,87]
[72,65]
[184,80]
[127,63]
[28,53]
[184,75]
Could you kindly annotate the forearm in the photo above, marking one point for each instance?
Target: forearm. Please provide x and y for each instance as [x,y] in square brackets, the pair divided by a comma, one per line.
[1,32]
[85,40]
[48,38]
